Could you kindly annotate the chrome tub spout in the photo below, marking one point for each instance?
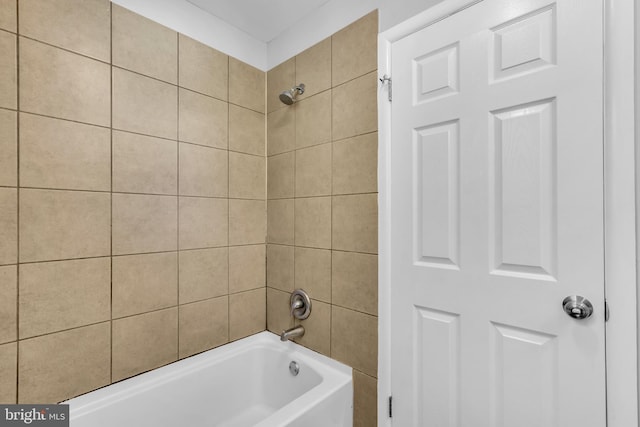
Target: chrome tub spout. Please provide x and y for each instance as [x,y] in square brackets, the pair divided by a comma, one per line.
[292,333]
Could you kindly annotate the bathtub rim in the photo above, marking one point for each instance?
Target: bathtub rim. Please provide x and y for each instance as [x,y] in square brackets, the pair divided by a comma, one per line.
[335,376]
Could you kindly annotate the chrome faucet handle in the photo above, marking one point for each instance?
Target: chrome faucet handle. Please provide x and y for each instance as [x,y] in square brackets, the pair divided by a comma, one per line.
[297,306]
[300,304]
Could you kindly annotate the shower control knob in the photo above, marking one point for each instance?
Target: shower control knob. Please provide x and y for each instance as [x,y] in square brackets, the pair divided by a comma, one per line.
[300,304]
[577,307]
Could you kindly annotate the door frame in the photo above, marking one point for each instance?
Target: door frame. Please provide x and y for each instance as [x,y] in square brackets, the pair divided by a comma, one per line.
[620,166]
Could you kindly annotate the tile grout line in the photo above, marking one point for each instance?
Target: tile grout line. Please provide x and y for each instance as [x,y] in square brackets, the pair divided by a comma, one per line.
[228,203]
[67,329]
[129,193]
[331,191]
[266,201]
[133,193]
[341,140]
[65,119]
[132,132]
[111,193]
[17,201]
[65,49]
[266,205]
[178,191]
[226,101]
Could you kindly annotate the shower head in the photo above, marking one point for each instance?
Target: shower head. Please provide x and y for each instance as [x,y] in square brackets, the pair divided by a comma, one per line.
[289,96]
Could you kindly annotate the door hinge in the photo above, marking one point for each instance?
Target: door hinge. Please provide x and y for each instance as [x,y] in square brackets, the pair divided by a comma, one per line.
[606,311]
[390,406]
[386,79]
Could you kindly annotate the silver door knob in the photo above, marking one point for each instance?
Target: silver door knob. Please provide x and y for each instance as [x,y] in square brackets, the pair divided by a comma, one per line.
[577,307]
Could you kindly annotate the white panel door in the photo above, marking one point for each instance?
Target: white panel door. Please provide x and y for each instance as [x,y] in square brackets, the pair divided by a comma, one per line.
[497,216]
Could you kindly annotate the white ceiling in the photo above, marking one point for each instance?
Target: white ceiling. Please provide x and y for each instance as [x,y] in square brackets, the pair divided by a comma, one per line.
[262,19]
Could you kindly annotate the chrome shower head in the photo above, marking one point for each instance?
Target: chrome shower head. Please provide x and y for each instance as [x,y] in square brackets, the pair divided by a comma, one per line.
[289,96]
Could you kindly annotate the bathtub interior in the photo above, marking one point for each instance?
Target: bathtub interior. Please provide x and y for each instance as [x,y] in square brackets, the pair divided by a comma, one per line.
[243,387]
[255,392]
[277,386]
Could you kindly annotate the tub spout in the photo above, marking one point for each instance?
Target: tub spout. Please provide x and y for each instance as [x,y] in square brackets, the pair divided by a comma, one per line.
[292,333]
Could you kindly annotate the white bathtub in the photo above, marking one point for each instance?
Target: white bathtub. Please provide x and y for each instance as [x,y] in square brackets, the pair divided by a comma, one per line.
[245,383]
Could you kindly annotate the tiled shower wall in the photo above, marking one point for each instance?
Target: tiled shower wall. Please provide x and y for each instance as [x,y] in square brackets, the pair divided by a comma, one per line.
[132,197]
[322,201]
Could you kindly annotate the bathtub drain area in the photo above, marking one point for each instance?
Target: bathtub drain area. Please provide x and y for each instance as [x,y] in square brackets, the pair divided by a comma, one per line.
[294,368]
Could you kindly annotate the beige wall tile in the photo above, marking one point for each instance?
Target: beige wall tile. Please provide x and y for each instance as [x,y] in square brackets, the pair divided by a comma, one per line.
[143,223]
[313,171]
[62,154]
[247,267]
[355,223]
[247,222]
[354,339]
[8,71]
[143,283]
[280,221]
[313,68]
[61,84]
[246,131]
[63,365]
[203,68]
[317,328]
[83,26]
[203,120]
[203,325]
[313,273]
[313,120]
[246,85]
[280,78]
[355,49]
[204,273]
[57,225]
[62,295]
[144,46]
[203,222]
[8,373]
[8,15]
[8,148]
[280,267]
[247,176]
[143,164]
[280,176]
[247,313]
[355,274]
[8,225]
[365,400]
[355,110]
[355,165]
[204,171]
[144,105]
[313,222]
[144,342]
[281,130]
[279,317]
[8,305]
